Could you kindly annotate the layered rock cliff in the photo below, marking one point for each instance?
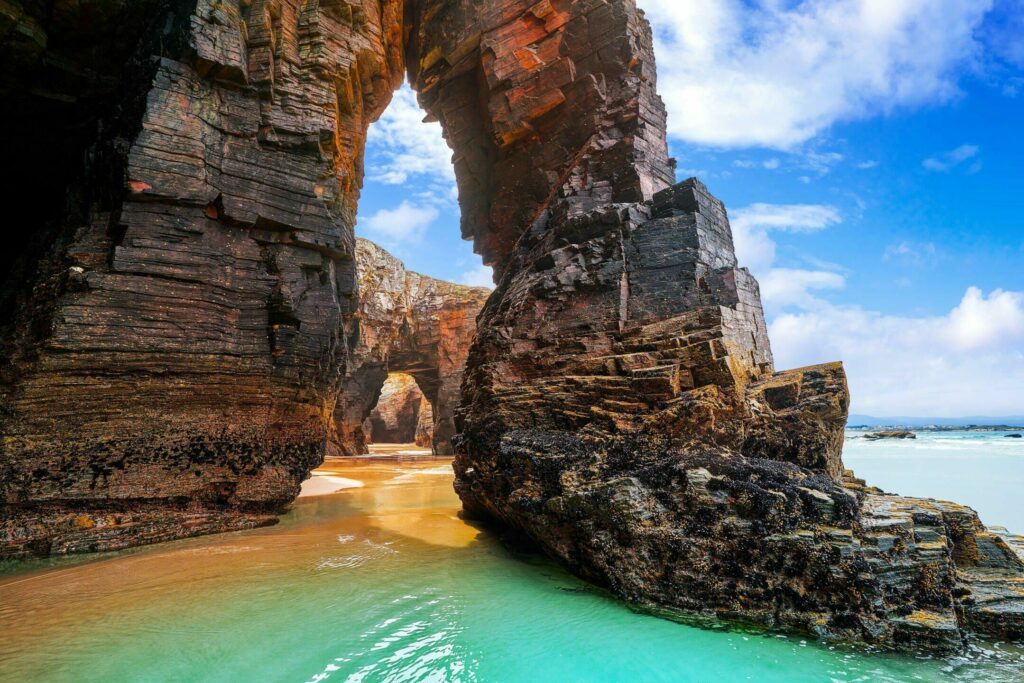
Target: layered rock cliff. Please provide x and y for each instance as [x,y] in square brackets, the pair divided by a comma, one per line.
[411,324]
[672,464]
[185,338]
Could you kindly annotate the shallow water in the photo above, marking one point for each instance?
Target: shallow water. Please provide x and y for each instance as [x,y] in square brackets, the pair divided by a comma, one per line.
[383,582]
[984,470]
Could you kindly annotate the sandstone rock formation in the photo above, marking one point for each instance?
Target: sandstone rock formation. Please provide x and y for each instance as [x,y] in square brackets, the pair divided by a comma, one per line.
[407,323]
[396,417]
[425,426]
[186,337]
[181,327]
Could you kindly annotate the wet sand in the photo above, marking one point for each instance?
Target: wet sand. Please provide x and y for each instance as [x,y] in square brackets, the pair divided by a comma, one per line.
[380,582]
[351,511]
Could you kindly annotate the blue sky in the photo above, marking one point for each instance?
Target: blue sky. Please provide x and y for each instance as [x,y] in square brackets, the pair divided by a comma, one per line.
[872,158]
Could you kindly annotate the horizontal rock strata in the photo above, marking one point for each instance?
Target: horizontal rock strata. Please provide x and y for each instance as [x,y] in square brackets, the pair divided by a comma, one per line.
[410,324]
[189,315]
[640,434]
[187,335]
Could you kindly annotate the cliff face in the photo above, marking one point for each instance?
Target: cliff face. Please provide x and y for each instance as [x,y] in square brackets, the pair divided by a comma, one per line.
[194,335]
[411,324]
[186,328]
[425,425]
[672,464]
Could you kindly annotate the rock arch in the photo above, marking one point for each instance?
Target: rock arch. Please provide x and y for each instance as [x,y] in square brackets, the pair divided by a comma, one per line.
[407,323]
[183,329]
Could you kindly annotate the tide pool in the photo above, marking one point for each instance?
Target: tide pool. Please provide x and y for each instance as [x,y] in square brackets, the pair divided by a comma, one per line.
[383,582]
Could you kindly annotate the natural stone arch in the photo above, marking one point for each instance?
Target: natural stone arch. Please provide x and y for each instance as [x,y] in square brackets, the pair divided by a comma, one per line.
[399,413]
[181,343]
[407,323]
[194,314]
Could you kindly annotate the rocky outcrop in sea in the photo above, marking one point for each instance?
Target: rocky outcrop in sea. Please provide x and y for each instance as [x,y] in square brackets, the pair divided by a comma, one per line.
[185,335]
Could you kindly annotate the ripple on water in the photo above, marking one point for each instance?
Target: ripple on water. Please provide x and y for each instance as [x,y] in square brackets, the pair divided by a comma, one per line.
[385,583]
[368,551]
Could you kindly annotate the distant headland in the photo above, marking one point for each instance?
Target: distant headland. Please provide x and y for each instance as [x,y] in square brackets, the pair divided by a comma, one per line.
[937,424]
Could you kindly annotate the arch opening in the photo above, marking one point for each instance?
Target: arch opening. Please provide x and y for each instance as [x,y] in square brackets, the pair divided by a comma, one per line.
[412,324]
[402,414]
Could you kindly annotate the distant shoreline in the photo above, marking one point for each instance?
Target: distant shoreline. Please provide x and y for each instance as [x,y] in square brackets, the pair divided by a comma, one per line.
[935,428]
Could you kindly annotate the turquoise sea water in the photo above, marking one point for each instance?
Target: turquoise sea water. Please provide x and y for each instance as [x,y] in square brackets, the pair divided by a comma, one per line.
[385,583]
[984,470]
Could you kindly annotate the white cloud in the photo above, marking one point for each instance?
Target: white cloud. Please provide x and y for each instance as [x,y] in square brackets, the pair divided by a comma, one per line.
[783,287]
[823,162]
[949,160]
[401,147]
[776,74]
[405,224]
[915,253]
[967,362]
[792,217]
[866,165]
[771,164]
[481,276]
[755,249]
[751,225]
[981,323]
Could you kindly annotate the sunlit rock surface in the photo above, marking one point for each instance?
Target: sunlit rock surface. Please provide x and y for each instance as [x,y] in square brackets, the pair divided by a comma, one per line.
[410,324]
[184,337]
[396,417]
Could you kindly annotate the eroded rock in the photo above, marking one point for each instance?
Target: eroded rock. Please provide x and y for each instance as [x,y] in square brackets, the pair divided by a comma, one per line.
[410,324]
[396,417]
[188,335]
[890,434]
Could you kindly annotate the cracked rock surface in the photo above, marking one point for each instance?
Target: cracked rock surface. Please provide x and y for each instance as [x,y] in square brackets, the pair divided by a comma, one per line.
[185,326]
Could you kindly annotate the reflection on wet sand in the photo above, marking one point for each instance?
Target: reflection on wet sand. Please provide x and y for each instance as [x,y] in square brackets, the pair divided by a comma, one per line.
[383,504]
[382,582]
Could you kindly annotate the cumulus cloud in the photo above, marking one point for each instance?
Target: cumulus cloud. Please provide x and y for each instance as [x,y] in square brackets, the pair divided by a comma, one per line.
[967,362]
[777,74]
[402,148]
[947,161]
[405,224]
[751,225]
[981,322]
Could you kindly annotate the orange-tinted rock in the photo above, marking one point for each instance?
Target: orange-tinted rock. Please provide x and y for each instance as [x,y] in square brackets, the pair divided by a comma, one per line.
[181,328]
[396,417]
[412,324]
[425,425]
[186,336]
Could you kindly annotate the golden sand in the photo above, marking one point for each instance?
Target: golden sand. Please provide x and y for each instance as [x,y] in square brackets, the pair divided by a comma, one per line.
[374,501]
